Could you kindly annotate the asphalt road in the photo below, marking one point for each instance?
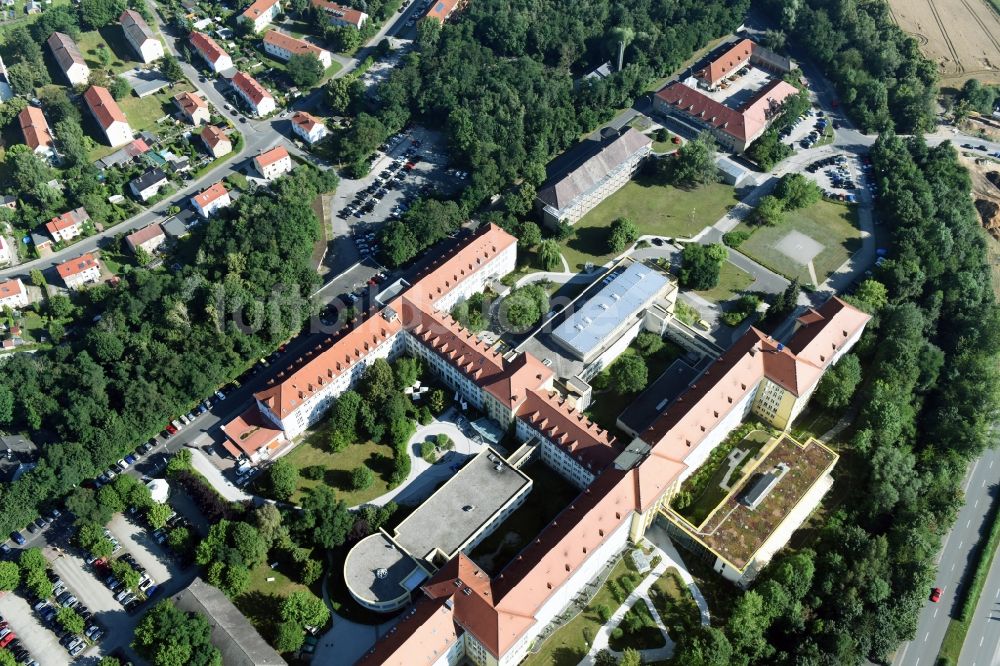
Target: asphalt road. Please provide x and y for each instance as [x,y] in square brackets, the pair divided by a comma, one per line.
[955,559]
[982,643]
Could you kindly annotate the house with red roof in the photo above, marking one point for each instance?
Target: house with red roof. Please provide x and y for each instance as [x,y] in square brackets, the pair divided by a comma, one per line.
[216,141]
[308,126]
[79,272]
[284,46]
[260,14]
[441,10]
[341,15]
[210,52]
[13,294]
[36,131]
[740,54]
[67,226]
[211,199]
[273,163]
[257,97]
[109,116]
[149,238]
[193,106]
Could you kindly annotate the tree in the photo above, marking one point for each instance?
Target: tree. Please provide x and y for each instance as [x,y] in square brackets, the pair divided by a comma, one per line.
[290,637]
[344,415]
[524,306]
[32,559]
[770,212]
[871,296]
[362,477]
[549,255]
[701,265]
[796,191]
[839,383]
[98,13]
[70,620]
[10,575]
[529,234]
[167,636]
[124,572]
[247,540]
[338,94]
[622,233]
[704,646]
[407,371]
[437,401]
[38,583]
[378,383]
[306,609]
[630,657]
[787,300]
[92,538]
[235,580]
[304,69]
[171,68]
[629,373]
[325,520]
[648,343]
[694,163]
[6,658]
[283,479]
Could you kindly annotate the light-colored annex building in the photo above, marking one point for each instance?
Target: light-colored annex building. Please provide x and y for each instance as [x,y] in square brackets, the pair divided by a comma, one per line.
[588,174]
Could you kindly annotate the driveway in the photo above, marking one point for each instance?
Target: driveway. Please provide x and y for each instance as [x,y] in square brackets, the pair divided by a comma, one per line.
[148,553]
[34,636]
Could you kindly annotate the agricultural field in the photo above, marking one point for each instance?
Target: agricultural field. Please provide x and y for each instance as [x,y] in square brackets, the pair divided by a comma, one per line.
[962,36]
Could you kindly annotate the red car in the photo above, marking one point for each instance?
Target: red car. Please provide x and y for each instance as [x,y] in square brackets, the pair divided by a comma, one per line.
[5,641]
[935,594]
[171,430]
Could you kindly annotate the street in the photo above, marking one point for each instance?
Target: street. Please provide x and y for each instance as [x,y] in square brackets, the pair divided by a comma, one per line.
[955,561]
[982,643]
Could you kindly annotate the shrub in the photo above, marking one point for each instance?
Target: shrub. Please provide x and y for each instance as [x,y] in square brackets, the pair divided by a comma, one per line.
[313,472]
[617,633]
[603,612]
[362,478]
[735,238]
[444,442]
[400,468]
[427,451]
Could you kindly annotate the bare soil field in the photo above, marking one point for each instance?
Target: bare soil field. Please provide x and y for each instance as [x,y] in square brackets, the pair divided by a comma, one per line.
[962,36]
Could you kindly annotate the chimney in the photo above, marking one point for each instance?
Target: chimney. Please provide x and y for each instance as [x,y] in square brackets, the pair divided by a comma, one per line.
[621,54]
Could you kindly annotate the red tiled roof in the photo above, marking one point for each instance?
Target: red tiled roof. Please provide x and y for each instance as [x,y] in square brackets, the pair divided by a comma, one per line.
[728,62]
[67,220]
[291,44]
[269,157]
[250,431]
[76,266]
[584,441]
[305,120]
[206,46]
[104,107]
[250,87]
[148,232]
[822,333]
[34,127]
[347,14]
[190,102]
[11,288]
[212,136]
[252,12]
[424,634]
[216,191]
[441,9]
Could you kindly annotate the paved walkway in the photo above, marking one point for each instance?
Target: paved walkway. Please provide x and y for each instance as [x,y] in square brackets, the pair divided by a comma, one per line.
[225,487]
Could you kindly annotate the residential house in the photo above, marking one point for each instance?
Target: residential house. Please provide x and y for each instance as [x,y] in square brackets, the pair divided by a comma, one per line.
[6,252]
[36,131]
[284,46]
[342,16]
[149,184]
[210,200]
[308,126]
[33,7]
[69,58]
[193,106]
[273,163]
[441,10]
[260,14]
[139,35]
[8,201]
[589,173]
[211,52]
[67,226]
[78,272]
[216,141]
[6,92]
[149,238]
[108,115]
[255,95]
[13,294]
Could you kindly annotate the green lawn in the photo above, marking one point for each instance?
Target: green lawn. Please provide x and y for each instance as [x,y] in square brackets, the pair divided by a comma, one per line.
[647,637]
[23,19]
[142,114]
[834,225]
[568,645]
[261,602]
[655,207]
[733,281]
[674,603]
[111,37]
[550,494]
[313,451]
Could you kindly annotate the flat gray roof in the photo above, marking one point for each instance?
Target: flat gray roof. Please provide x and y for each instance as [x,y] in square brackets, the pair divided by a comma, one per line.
[652,402]
[379,570]
[589,327]
[461,506]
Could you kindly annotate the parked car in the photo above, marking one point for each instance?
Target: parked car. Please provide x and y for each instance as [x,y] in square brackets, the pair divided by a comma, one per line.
[935,594]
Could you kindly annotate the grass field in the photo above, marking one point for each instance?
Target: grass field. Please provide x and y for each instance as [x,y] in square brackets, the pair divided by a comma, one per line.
[656,208]
[647,637]
[142,114]
[112,38]
[567,646]
[733,281]
[834,225]
[338,466]
[23,19]
[673,601]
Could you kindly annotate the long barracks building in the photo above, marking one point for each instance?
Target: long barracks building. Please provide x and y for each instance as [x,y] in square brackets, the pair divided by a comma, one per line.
[460,612]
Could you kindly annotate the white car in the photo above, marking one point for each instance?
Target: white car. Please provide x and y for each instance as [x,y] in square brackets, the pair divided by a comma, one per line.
[220,395]
[123,463]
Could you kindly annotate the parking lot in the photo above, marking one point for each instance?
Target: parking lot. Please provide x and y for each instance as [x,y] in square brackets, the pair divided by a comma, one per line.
[92,593]
[840,176]
[34,636]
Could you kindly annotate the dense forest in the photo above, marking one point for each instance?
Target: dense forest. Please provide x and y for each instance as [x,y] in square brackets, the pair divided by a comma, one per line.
[929,396]
[500,79]
[883,80]
[164,341]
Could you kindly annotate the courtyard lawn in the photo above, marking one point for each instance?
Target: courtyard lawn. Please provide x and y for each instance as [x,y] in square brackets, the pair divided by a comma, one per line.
[142,114]
[111,37]
[656,208]
[313,450]
[568,645]
[833,226]
[733,281]
[647,637]
[674,603]
[550,494]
